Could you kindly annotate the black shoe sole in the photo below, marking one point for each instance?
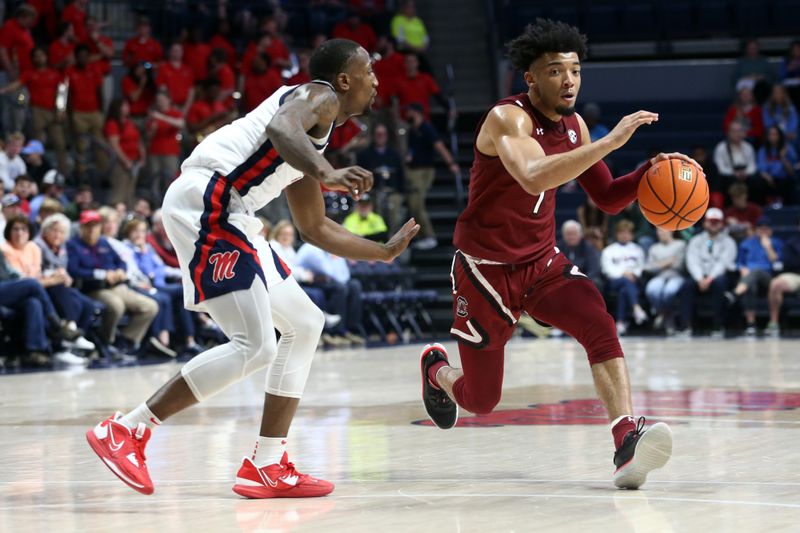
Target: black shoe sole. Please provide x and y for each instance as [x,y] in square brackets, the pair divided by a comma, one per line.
[442,411]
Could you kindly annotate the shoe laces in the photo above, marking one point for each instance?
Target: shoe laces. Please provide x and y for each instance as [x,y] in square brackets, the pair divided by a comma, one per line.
[289,470]
[639,427]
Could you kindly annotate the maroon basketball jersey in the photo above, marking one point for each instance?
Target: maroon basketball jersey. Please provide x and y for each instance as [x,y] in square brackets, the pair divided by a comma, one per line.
[502,222]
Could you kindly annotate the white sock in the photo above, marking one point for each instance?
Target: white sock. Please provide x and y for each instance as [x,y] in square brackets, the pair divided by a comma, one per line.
[141,414]
[269,450]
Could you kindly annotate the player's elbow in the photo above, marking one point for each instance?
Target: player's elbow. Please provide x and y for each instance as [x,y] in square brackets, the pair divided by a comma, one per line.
[609,208]
[533,185]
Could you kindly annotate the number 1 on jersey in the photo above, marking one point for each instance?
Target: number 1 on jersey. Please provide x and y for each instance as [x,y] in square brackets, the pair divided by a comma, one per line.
[538,203]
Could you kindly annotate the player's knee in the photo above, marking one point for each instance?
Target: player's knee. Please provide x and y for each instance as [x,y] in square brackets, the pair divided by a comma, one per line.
[255,351]
[485,403]
[310,322]
[599,339]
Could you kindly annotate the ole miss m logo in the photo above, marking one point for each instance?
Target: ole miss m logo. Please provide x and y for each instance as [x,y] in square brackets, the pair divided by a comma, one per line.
[223,263]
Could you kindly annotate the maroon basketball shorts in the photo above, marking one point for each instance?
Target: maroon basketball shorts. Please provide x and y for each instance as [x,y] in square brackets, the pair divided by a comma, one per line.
[489,298]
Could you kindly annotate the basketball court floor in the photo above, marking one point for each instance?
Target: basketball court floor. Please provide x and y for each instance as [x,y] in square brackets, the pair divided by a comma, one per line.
[541,462]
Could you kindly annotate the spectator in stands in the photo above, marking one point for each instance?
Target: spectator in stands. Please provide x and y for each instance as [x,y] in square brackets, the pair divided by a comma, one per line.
[83,201]
[196,52]
[418,88]
[717,195]
[11,207]
[753,70]
[101,274]
[579,252]
[591,115]
[345,141]
[643,231]
[16,45]
[282,240]
[788,281]
[160,242]
[735,159]
[61,53]
[790,72]
[343,293]
[777,161]
[388,69]
[710,256]
[594,220]
[665,263]
[101,51]
[109,230]
[177,79]
[139,90]
[387,167]
[143,208]
[164,125]
[75,14]
[221,39]
[207,114]
[741,211]
[622,264]
[302,75]
[365,222]
[142,48]
[11,164]
[759,256]
[36,163]
[85,83]
[354,29]
[260,82]
[25,188]
[46,122]
[125,141]
[219,70]
[748,113]
[423,141]
[408,29]
[781,112]
[274,46]
[165,287]
[53,188]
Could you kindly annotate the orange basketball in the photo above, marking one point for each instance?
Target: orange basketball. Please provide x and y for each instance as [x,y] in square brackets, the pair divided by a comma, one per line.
[673,194]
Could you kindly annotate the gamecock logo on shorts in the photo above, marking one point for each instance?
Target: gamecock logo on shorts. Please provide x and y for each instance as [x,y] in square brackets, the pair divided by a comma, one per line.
[223,263]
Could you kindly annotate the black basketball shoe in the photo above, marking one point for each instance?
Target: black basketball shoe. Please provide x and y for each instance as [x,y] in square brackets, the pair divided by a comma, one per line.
[642,450]
[440,408]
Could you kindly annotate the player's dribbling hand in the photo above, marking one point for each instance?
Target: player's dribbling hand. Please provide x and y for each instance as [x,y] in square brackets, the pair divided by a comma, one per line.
[674,155]
[355,180]
[400,240]
[630,123]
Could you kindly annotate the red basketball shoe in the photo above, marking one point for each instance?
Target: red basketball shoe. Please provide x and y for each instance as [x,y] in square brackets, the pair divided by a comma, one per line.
[278,480]
[642,451]
[122,451]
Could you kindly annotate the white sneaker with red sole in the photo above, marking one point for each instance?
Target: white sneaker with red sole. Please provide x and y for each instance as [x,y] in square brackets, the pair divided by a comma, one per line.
[122,451]
[278,480]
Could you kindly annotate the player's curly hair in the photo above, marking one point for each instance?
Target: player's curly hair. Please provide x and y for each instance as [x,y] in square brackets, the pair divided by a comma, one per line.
[544,36]
[330,59]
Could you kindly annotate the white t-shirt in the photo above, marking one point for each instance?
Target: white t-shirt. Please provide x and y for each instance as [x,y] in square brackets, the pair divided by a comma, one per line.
[10,169]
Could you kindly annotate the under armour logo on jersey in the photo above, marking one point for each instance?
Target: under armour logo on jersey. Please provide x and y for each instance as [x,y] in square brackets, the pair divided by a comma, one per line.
[573,137]
[461,306]
[539,131]
[223,262]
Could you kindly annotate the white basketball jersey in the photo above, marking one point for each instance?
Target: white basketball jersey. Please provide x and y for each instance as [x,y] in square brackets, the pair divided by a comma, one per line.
[242,153]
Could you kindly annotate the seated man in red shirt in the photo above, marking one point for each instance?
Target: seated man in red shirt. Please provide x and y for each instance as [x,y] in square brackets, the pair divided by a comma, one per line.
[46,122]
[742,214]
[177,78]
[142,48]
[260,82]
[164,125]
[354,29]
[85,106]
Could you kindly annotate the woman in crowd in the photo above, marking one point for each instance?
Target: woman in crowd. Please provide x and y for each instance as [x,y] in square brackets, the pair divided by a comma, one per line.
[776,162]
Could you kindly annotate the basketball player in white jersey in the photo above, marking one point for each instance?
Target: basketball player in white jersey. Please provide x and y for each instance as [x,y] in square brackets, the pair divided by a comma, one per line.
[247,290]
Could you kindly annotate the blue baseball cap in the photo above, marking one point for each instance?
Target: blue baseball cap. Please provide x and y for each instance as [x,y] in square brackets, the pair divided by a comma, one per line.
[33,147]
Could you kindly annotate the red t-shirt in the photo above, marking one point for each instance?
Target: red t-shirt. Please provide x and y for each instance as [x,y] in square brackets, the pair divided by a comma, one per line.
[363,34]
[128,137]
[344,134]
[103,65]
[218,41]
[751,213]
[77,17]
[178,81]
[201,110]
[257,87]
[754,119]
[299,78]
[416,90]
[195,56]
[388,71]
[138,51]
[83,87]
[164,139]
[18,42]
[42,86]
[59,51]
[141,105]
[276,50]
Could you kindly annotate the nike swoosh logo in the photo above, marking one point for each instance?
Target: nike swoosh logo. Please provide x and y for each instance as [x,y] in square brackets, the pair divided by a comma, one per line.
[576,271]
[114,445]
[473,335]
[265,478]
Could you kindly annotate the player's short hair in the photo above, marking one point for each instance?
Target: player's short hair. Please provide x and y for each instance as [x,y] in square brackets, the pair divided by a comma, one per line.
[542,37]
[331,58]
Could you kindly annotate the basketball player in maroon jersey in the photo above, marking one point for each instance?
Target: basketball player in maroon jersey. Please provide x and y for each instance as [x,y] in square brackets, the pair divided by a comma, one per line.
[506,261]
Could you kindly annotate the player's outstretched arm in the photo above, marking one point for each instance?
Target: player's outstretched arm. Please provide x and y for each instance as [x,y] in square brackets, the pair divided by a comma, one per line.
[507,132]
[308,107]
[308,212]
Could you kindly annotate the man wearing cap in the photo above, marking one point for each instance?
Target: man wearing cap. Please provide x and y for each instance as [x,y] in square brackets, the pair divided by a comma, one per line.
[710,255]
[11,207]
[52,187]
[759,256]
[99,272]
[35,162]
[11,164]
[787,281]
[365,222]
